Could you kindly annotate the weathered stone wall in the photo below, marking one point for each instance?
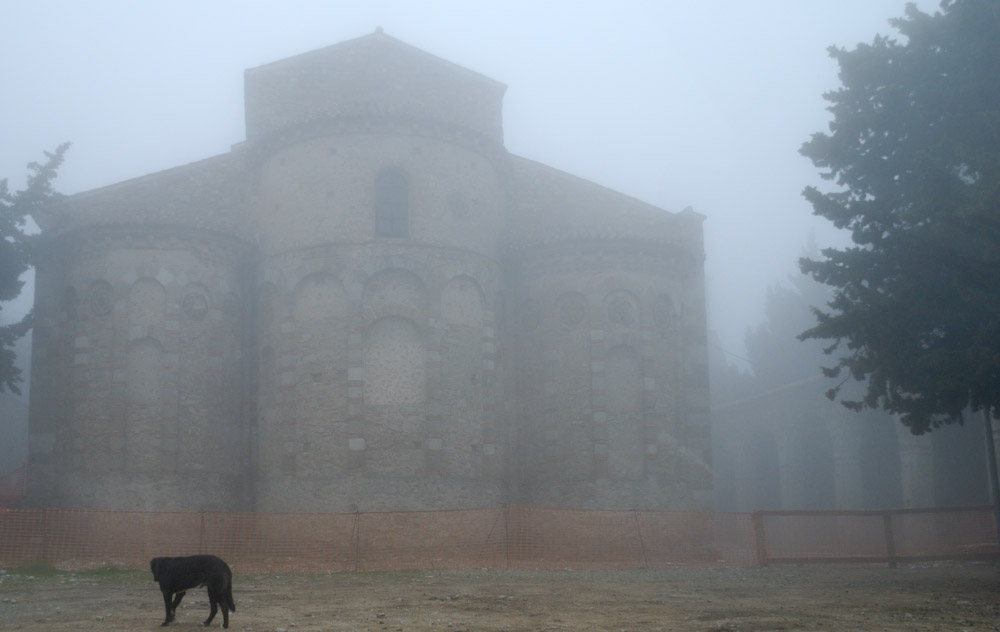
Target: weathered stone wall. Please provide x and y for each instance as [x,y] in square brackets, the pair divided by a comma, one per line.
[139,329]
[608,375]
[321,191]
[377,356]
[236,333]
[378,370]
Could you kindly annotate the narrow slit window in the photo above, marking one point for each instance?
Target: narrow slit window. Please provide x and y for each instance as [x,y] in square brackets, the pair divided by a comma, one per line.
[391,205]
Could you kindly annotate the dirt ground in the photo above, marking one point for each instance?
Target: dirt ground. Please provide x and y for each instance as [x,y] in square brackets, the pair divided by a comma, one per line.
[928,597]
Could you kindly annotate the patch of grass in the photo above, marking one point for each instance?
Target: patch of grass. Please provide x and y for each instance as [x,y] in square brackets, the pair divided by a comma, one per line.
[332,578]
[106,574]
[33,569]
[45,574]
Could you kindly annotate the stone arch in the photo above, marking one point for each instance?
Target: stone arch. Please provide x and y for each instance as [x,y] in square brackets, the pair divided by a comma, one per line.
[395,292]
[318,298]
[621,309]
[569,385]
[101,298]
[463,302]
[195,301]
[147,301]
[462,377]
[395,361]
[623,396]
[144,371]
[144,375]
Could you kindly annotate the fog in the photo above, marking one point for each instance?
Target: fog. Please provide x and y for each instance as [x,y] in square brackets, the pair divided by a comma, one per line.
[675,103]
[679,104]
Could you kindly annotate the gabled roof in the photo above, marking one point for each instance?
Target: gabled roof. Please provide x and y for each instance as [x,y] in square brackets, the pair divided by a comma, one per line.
[374,74]
[361,47]
[208,194]
[550,206]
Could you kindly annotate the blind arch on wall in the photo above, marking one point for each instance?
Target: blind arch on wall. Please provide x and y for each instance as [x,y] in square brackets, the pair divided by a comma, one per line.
[145,374]
[623,373]
[395,364]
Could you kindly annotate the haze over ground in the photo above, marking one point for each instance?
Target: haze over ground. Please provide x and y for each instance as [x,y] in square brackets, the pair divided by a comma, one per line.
[677,103]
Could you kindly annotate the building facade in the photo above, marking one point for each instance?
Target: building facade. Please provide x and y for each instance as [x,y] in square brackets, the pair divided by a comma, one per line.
[368,304]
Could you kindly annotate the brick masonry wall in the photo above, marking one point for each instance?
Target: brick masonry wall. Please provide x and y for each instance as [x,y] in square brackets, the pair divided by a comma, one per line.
[611,403]
[378,377]
[379,385]
[141,332]
[233,334]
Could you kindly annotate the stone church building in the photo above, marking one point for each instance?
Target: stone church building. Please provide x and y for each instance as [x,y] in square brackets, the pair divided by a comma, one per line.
[368,304]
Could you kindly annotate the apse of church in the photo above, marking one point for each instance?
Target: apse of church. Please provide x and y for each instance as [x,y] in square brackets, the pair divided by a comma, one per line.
[368,304]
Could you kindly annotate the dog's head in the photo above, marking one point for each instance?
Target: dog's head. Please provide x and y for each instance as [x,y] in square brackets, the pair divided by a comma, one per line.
[154,564]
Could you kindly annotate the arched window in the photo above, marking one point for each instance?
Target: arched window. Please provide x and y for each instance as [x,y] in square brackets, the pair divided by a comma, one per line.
[392,217]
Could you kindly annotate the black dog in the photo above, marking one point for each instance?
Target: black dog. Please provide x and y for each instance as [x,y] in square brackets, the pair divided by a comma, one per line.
[179,574]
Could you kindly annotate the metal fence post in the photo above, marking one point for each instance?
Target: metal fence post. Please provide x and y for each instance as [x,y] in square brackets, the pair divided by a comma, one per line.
[890,539]
[760,538]
[991,456]
[356,536]
[506,534]
[642,545]
[201,531]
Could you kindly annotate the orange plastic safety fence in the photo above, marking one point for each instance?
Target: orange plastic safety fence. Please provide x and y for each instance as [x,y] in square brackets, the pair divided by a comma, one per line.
[509,537]
[12,487]
[581,539]
[876,536]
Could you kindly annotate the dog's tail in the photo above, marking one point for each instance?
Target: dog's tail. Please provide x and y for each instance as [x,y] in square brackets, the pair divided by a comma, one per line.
[229,597]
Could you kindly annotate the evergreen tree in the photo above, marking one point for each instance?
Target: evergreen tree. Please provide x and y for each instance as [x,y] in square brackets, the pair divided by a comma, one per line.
[16,253]
[914,146]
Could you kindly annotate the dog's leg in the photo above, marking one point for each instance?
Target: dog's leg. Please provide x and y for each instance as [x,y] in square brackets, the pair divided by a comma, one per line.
[167,607]
[212,598]
[177,602]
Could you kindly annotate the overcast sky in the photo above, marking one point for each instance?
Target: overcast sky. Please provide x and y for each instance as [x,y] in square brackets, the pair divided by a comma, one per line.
[678,103]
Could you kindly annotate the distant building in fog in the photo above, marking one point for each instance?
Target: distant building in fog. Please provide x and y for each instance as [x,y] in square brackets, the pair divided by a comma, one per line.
[368,304]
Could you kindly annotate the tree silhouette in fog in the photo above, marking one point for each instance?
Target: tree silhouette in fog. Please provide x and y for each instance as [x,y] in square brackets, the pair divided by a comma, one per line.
[16,253]
[914,149]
